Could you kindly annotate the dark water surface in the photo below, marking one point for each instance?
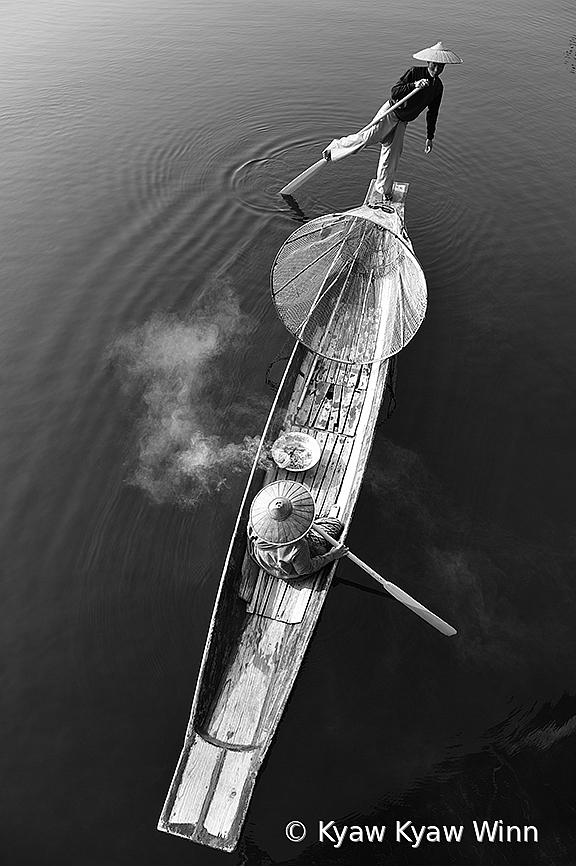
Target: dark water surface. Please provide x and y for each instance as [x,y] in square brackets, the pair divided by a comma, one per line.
[143,144]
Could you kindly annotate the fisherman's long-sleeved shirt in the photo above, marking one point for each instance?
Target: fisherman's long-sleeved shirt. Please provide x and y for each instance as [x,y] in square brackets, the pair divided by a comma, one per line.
[426,97]
[289,561]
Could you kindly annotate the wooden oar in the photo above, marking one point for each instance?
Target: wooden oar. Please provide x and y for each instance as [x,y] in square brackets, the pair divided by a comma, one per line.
[394,590]
[303,177]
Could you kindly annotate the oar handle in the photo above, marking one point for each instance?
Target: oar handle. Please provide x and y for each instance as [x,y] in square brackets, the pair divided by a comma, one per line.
[394,107]
[333,543]
[394,590]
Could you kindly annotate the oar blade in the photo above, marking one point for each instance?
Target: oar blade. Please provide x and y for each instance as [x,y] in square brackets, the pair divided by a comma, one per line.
[302,178]
[419,609]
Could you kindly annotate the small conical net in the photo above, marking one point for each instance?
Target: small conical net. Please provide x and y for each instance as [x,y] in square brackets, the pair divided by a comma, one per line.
[349,288]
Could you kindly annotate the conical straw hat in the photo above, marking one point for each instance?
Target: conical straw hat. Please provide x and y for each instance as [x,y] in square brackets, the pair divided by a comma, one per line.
[438,54]
[282,512]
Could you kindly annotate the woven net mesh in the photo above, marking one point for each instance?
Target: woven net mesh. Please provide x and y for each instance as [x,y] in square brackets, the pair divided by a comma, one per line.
[349,289]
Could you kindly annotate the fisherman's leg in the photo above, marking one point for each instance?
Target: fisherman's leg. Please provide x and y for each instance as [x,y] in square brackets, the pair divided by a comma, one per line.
[330,525]
[370,134]
[389,159]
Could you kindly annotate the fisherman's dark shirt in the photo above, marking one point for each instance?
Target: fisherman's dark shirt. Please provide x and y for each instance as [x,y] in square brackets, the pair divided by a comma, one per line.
[427,97]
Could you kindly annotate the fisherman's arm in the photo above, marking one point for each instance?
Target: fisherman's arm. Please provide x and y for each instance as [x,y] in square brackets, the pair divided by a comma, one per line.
[431,118]
[304,564]
[415,77]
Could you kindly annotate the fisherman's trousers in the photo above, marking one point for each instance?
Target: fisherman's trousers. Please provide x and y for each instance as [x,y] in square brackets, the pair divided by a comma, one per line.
[389,133]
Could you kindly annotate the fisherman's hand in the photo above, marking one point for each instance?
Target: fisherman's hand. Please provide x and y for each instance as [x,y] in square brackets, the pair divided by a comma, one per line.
[422,82]
[339,551]
[429,145]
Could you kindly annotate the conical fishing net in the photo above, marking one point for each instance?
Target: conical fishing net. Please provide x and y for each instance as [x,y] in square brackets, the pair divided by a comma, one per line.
[349,288]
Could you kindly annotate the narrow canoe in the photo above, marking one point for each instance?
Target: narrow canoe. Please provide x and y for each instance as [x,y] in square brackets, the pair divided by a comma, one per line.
[261,625]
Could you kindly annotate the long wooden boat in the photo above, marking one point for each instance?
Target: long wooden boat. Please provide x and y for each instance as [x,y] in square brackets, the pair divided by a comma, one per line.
[261,625]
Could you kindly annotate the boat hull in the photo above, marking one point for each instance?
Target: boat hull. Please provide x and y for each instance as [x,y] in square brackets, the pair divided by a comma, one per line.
[261,625]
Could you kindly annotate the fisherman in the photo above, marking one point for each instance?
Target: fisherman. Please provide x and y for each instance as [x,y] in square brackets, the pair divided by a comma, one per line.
[281,537]
[424,82]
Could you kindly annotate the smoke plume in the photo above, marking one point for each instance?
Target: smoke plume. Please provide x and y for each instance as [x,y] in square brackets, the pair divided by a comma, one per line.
[197,428]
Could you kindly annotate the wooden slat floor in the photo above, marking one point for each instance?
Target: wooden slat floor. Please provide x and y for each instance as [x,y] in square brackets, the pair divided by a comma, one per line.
[329,410]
